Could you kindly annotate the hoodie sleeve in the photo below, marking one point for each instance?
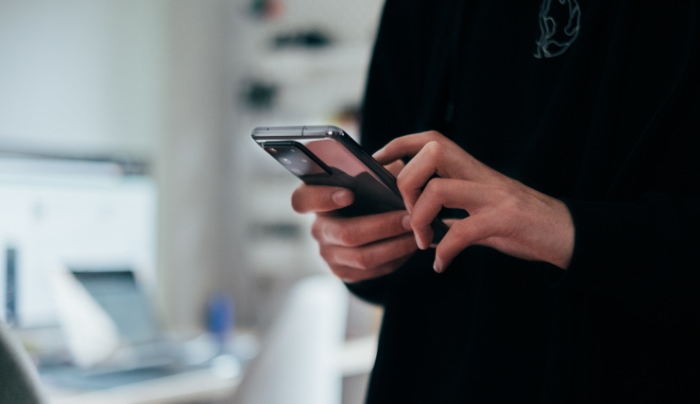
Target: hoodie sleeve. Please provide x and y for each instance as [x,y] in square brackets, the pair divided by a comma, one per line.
[645,253]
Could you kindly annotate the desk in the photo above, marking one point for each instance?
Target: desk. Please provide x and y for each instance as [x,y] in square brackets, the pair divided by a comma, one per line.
[203,385]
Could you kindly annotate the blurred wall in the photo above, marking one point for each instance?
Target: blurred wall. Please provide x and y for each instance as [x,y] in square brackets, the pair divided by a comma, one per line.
[82,75]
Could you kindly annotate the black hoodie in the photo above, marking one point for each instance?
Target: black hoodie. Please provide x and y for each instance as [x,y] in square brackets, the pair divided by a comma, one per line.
[596,102]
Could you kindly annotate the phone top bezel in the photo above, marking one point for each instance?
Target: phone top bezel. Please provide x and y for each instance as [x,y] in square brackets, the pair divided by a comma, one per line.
[305,131]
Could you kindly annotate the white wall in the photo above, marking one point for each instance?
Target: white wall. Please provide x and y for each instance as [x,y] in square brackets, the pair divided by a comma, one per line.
[82,75]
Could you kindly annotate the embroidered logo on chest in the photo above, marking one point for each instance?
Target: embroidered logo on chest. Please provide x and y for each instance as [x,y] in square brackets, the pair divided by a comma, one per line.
[560,21]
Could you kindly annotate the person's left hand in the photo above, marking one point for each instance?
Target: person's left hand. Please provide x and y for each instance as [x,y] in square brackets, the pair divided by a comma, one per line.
[503,213]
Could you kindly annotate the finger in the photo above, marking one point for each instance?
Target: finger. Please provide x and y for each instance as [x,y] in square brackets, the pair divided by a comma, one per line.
[395,167]
[360,230]
[444,160]
[351,275]
[406,146]
[449,193]
[414,177]
[312,198]
[435,155]
[461,235]
[369,257]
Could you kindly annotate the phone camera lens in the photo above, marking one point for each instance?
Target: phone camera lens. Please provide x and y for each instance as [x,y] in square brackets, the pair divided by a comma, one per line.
[286,160]
[272,150]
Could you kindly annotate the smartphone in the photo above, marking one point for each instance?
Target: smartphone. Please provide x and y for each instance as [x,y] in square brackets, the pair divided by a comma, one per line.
[327,155]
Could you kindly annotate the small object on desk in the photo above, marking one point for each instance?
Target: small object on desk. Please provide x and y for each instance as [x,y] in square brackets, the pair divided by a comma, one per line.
[220,319]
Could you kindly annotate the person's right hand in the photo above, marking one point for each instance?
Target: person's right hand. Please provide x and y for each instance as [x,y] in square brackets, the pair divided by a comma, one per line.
[355,248]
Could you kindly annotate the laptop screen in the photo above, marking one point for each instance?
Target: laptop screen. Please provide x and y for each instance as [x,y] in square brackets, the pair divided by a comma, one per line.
[120,296]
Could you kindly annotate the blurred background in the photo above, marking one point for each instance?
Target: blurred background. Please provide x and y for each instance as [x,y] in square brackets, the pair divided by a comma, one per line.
[148,246]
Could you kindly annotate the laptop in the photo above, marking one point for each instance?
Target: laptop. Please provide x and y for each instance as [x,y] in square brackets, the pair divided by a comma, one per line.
[112,332]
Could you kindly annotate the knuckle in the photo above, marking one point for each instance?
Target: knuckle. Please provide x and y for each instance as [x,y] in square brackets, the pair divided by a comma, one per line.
[436,187]
[401,180]
[433,186]
[346,238]
[432,148]
[330,230]
[433,134]
[327,255]
[317,229]
[363,262]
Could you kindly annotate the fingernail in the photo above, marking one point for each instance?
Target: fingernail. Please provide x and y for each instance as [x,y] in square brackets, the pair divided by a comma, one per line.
[342,197]
[378,153]
[406,222]
[437,265]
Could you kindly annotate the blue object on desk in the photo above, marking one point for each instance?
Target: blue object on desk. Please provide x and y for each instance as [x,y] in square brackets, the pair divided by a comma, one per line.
[220,318]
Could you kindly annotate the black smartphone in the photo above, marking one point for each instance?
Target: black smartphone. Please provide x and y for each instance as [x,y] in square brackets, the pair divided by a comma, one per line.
[327,155]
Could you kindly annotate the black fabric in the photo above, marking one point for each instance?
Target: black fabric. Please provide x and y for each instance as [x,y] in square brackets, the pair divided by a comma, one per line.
[612,127]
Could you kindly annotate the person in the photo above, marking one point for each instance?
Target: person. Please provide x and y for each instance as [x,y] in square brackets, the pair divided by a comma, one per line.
[559,140]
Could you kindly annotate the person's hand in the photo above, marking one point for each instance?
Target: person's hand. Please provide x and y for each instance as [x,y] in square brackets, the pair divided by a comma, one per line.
[503,213]
[356,248]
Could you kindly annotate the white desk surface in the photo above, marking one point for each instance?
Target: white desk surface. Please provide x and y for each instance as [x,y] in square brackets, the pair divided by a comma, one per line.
[196,385]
